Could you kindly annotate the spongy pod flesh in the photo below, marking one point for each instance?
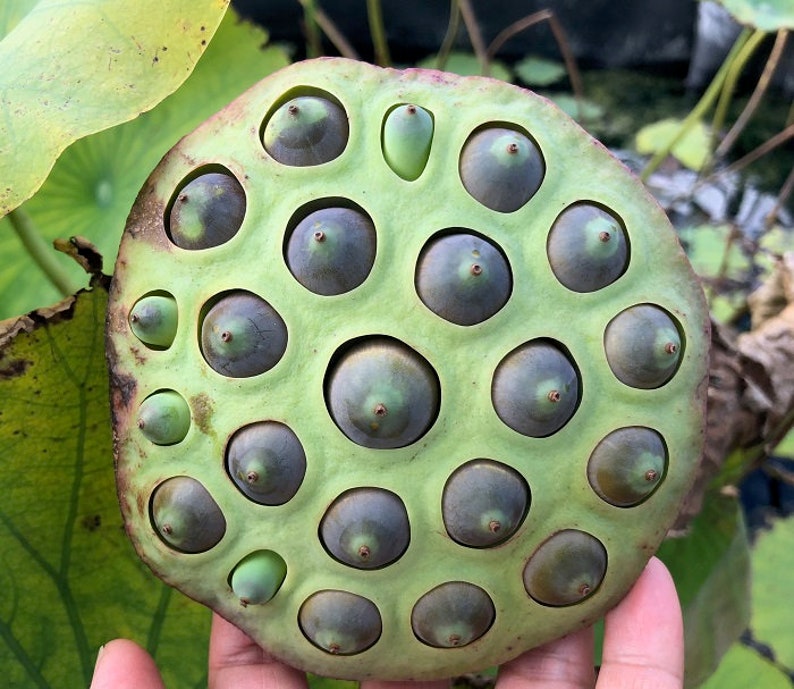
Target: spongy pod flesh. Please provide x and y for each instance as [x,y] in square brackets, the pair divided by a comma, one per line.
[408,372]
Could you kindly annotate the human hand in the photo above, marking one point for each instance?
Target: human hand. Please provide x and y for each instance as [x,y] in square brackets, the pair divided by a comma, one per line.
[643,649]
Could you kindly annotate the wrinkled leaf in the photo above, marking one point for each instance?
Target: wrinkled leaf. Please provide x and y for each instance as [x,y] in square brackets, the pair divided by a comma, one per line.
[742,668]
[70,580]
[95,181]
[72,68]
[467,65]
[773,562]
[711,569]
[538,71]
[767,15]
[692,150]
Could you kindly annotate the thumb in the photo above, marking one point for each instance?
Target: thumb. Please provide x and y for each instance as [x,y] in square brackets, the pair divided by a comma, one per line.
[122,664]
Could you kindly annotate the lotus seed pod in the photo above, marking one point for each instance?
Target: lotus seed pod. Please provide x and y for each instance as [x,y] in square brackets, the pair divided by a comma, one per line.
[332,250]
[164,417]
[535,389]
[382,394]
[307,130]
[266,461]
[153,319]
[643,346]
[452,615]
[339,622]
[257,577]
[627,466]
[185,516]
[587,248]
[366,528]
[463,278]
[501,168]
[242,335]
[407,135]
[566,568]
[484,502]
[207,211]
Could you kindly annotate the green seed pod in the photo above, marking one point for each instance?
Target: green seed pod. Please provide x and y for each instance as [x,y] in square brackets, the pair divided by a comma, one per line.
[463,278]
[339,622]
[257,577]
[366,528]
[382,394]
[242,335]
[566,568]
[483,503]
[627,466]
[308,130]
[153,319]
[207,211]
[185,516]
[643,346]
[407,135]
[266,461]
[164,417]
[452,615]
[332,250]
[501,168]
[535,389]
[587,248]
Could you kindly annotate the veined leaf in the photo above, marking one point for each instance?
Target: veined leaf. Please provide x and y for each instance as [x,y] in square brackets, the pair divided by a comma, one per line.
[692,150]
[767,15]
[742,667]
[70,580]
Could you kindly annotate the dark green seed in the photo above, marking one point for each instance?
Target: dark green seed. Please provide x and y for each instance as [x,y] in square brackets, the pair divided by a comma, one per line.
[483,503]
[266,461]
[164,417]
[207,211]
[242,335]
[407,135]
[366,528]
[332,250]
[185,516]
[257,577]
[339,622]
[463,278]
[452,615]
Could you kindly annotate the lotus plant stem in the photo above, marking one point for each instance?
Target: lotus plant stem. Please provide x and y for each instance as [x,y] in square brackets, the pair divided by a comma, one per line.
[42,252]
[705,102]
[449,37]
[329,29]
[475,35]
[378,33]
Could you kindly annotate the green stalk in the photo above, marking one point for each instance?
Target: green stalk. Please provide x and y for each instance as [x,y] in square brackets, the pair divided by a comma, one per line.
[705,102]
[378,32]
[42,252]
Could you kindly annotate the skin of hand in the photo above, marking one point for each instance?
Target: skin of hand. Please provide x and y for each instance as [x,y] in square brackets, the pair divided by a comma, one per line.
[643,649]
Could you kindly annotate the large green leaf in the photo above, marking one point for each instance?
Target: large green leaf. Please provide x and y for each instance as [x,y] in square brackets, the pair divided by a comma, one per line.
[711,569]
[767,15]
[68,69]
[95,181]
[742,668]
[70,581]
[693,149]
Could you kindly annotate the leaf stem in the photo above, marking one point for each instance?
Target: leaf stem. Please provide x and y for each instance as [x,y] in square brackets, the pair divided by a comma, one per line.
[378,32]
[450,36]
[42,253]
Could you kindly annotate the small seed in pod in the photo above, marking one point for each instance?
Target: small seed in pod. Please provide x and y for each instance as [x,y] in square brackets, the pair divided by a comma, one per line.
[627,466]
[535,389]
[566,568]
[257,577]
[366,528]
[332,250]
[266,461]
[501,168]
[452,615]
[153,319]
[381,393]
[207,211]
[484,503]
[185,516]
[307,130]
[463,278]
[340,623]
[587,248]
[242,335]
[164,417]
[407,135]
[643,346]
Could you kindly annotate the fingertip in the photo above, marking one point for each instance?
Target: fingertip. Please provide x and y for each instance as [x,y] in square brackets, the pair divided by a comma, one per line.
[123,664]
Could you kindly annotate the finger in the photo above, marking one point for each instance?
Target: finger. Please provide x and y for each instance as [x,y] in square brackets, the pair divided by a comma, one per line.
[644,636]
[563,664]
[237,662]
[377,684]
[122,664]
